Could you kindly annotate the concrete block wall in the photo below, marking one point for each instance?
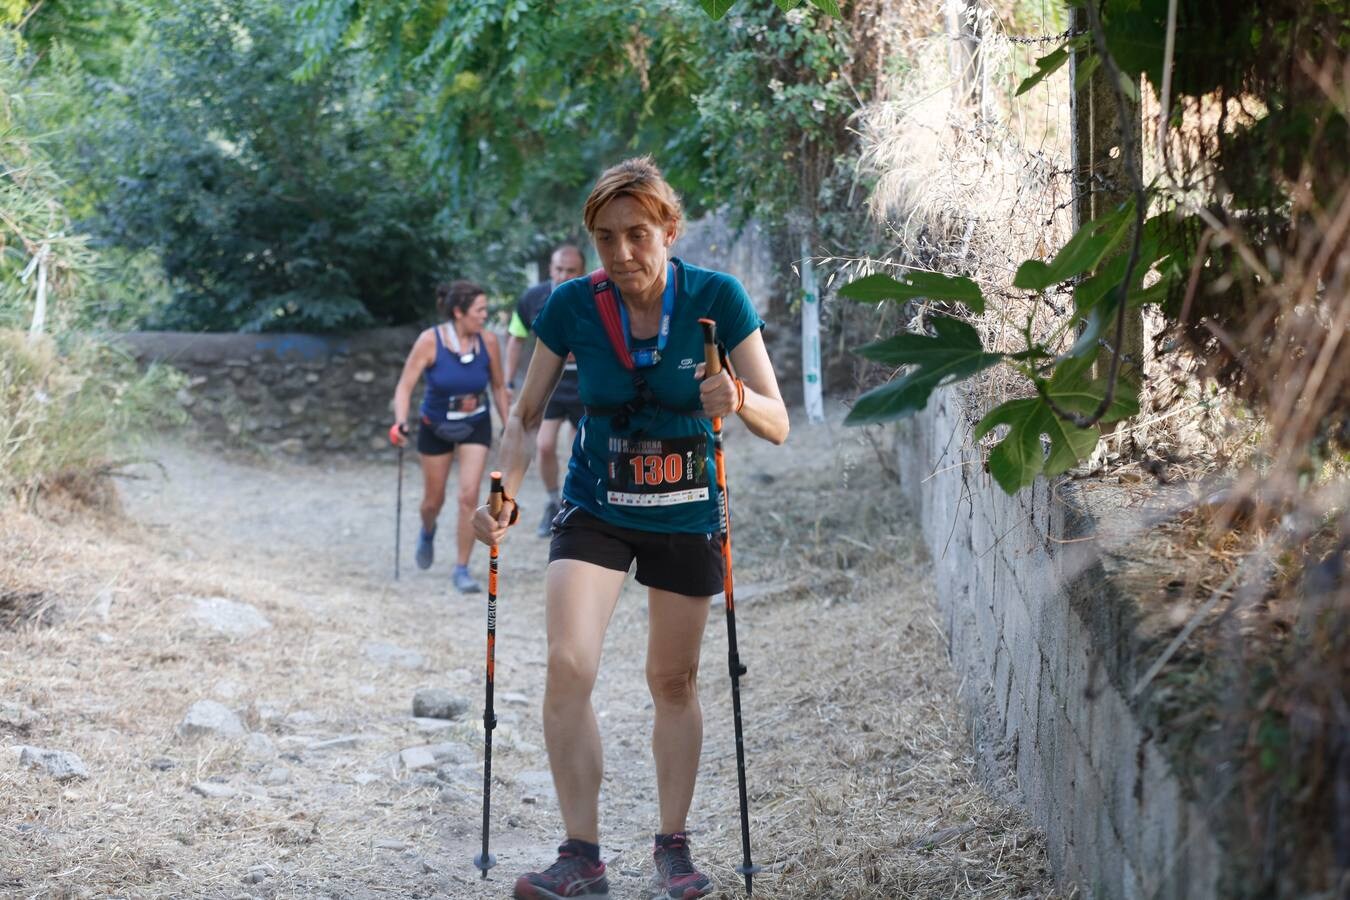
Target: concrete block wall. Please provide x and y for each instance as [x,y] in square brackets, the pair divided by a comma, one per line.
[1042,641]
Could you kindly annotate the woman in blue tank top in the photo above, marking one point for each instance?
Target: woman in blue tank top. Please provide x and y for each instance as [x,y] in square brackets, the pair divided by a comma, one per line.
[461,362]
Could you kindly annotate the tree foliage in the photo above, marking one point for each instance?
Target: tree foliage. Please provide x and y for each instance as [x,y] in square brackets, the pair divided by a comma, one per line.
[776,121]
[272,204]
[522,102]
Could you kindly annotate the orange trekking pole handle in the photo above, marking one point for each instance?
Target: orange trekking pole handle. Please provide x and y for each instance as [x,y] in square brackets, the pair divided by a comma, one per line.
[713,366]
[486,860]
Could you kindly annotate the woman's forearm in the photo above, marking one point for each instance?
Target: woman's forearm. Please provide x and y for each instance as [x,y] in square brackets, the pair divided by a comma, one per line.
[402,398]
[516,455]
[766,417]
[503,402]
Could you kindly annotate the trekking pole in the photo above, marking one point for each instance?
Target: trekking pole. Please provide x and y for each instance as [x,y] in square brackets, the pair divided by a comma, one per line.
[714,366]
[486,860]
[398,503]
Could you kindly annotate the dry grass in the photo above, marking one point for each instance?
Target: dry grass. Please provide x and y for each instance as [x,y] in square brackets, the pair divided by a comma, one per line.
[861,781]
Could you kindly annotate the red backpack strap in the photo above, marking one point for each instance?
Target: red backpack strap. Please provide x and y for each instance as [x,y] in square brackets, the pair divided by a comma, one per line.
[607,305]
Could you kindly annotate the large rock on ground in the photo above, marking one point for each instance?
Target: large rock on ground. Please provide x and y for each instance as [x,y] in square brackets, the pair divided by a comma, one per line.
[228,617]
[209,718]
[436,703]
[59,764]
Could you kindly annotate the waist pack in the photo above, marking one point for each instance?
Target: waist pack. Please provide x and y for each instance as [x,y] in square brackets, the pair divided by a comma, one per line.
[465,412]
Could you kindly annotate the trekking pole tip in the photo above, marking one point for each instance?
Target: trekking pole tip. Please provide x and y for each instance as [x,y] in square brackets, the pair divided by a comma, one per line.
[482,864]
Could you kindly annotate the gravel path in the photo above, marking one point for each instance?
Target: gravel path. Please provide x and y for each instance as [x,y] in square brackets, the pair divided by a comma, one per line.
[860,780]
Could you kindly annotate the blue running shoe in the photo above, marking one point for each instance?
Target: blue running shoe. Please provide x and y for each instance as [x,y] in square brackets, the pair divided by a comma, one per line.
[426,548]
[464,582]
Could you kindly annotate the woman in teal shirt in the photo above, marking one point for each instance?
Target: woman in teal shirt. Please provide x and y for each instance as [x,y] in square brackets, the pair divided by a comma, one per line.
[639,487]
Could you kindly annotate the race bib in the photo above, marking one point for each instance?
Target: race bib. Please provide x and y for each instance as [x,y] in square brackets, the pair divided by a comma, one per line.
[657,471]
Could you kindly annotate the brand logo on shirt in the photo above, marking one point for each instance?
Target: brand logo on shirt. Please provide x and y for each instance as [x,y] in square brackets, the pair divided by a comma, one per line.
[686,364]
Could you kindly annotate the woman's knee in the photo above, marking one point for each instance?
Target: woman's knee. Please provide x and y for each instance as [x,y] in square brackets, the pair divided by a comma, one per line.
[570,676]
[674,688]
[468,498]
[433,500]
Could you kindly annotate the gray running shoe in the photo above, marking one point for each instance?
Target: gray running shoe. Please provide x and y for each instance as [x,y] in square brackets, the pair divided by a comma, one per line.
[464,582]
[546,523]
[676,878]
[571,876]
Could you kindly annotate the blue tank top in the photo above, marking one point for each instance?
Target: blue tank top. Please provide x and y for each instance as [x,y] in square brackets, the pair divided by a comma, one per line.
[449,381]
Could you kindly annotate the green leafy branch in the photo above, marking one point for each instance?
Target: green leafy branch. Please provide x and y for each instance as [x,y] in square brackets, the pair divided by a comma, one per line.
[719,8]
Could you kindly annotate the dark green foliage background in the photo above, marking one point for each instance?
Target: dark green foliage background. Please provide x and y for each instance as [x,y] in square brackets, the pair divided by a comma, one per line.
[271,203]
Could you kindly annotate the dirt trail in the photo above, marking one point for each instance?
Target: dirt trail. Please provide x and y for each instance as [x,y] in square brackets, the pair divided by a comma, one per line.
[860,780]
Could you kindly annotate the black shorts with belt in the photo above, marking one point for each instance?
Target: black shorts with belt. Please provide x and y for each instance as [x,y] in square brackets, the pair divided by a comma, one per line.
[689,564]
[430,445]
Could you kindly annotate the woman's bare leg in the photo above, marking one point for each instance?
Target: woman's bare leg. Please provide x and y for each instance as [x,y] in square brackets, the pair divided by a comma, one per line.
[580,601]
[674,639]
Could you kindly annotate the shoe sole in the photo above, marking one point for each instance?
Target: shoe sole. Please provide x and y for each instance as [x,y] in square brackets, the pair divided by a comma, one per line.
[661,892]
[539,893]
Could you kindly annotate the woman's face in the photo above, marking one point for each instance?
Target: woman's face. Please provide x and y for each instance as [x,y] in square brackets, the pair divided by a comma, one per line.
[474,318]
[633,246]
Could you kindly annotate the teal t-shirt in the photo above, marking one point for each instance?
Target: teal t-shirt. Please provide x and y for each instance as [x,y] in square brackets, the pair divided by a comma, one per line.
[656,475]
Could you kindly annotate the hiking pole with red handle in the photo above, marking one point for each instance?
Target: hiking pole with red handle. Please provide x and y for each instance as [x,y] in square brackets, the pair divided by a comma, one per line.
[486,860]
[396,431]
[713,365]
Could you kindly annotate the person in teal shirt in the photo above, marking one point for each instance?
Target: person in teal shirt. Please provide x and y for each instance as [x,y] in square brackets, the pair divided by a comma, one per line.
[640,488]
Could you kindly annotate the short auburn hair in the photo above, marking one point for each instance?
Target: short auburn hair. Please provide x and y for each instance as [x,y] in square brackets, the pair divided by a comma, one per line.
[640,179]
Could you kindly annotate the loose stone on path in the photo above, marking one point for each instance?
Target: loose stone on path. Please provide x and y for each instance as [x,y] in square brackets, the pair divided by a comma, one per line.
[59,764]
[437,703]
[228,617]
[213,790]
[207,717]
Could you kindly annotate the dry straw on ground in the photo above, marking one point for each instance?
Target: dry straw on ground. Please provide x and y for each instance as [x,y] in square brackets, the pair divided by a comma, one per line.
[861,779]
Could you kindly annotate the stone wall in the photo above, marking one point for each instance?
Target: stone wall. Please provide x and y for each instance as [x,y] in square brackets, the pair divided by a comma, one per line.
[1042,640]
[288,392]
[711,243]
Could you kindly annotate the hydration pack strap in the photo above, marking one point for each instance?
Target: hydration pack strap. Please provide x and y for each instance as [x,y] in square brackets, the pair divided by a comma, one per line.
[607,305]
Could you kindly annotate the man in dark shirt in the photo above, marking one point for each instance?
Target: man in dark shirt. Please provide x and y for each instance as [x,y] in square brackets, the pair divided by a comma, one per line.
[566,263]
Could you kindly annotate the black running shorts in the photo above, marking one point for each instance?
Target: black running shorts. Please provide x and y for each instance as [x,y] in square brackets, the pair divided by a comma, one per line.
[560,409]
[430,445]
[689,564]
[565,401]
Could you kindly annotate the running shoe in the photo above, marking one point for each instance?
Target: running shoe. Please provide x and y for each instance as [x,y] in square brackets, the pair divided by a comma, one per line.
[546,523]
[426,548]
[573,875]
[676,878]
[464,582]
